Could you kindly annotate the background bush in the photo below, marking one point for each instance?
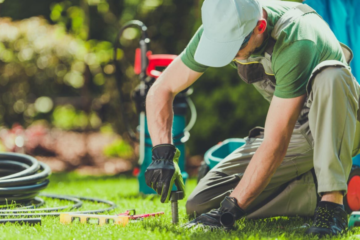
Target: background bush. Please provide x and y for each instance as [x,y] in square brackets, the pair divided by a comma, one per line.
[58,67]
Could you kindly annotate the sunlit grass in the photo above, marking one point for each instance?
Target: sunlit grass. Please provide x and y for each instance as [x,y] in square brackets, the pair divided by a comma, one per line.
[124,192]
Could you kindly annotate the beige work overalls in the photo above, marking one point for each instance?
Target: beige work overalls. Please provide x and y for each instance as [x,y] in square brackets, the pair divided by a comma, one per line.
[319,156]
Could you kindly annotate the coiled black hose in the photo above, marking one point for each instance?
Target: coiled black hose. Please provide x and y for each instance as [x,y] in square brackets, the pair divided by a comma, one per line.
[21,179]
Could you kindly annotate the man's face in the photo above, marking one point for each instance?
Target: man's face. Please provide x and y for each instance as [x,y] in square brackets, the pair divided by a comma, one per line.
[255,41]
[257,38]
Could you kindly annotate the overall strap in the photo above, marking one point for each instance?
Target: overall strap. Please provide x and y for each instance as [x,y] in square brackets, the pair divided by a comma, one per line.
[288,17]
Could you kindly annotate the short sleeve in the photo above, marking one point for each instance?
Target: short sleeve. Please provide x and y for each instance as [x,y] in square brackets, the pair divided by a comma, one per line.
[292,67]
[187,56]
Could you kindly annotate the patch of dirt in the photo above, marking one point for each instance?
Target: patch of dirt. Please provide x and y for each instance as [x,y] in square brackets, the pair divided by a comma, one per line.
[66,150]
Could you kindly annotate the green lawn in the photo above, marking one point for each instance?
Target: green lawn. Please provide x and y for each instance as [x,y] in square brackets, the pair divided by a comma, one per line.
[123,191]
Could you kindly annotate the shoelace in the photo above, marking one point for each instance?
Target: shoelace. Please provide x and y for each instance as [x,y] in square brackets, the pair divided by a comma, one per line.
[323,217]
[214,212]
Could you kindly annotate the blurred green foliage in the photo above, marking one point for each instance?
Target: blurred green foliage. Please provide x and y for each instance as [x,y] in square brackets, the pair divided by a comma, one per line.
[119,148]
[59,67]
[67,117]
[42,66]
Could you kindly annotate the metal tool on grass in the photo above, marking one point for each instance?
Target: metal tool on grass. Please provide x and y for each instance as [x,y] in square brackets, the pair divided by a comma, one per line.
[175,196]
[93,219]
[119,219]
[132,214]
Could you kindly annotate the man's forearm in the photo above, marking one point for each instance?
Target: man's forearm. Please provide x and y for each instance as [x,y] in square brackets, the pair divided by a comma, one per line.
[257,175]
[176,77]
[159,115]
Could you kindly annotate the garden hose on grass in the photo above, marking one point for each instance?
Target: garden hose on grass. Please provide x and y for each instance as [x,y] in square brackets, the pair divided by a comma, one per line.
[22,177]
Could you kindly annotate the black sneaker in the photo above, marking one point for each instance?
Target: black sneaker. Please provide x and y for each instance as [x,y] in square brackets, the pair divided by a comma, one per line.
[329,219]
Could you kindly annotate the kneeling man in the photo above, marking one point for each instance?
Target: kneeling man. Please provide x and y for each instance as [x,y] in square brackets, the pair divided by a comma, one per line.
[300,162]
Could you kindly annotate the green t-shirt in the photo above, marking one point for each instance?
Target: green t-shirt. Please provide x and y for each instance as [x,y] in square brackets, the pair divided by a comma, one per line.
[300,47]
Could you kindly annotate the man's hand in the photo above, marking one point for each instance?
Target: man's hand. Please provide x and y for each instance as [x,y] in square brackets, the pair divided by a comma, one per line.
[164,171]
[222,218]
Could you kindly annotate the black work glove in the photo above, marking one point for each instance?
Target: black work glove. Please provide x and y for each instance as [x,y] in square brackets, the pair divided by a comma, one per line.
[164,171]
[221,218]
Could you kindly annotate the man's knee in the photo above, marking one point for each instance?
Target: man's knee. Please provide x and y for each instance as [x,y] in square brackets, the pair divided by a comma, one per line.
[337,86]
[330,80]
[210,191]
[195,206]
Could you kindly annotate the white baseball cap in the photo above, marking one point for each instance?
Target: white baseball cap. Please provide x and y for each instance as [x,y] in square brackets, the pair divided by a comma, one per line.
[226,23]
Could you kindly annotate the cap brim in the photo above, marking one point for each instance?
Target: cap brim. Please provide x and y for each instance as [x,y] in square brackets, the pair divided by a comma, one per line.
[216,54]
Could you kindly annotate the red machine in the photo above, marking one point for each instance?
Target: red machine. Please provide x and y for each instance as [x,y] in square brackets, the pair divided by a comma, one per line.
[154,61]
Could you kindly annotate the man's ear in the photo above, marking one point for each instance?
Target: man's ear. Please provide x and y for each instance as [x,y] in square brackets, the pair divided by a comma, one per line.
[261,26]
